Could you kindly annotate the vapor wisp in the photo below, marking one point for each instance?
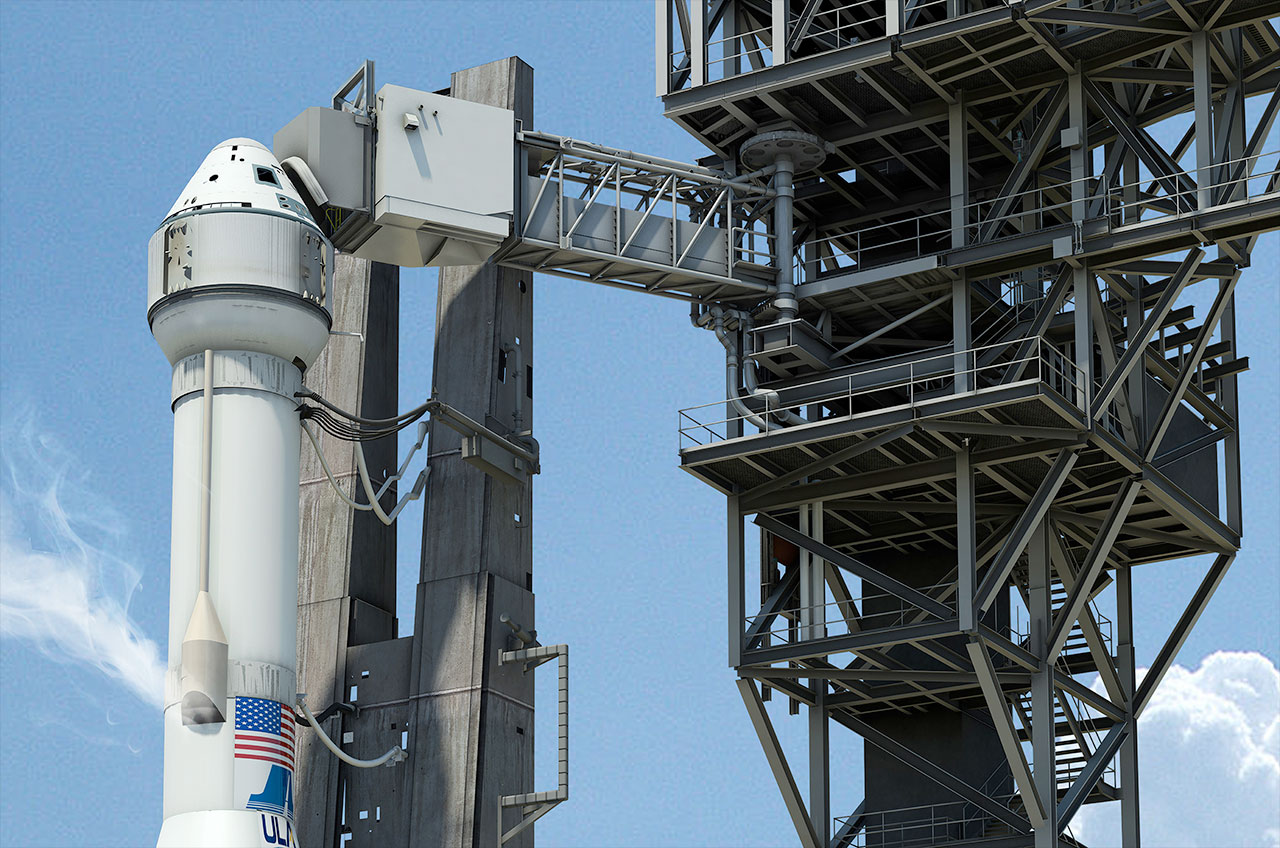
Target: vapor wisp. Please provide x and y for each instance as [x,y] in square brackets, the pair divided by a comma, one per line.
[65,580]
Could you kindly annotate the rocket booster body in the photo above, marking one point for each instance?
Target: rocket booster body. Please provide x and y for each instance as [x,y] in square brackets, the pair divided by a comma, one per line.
[237,278]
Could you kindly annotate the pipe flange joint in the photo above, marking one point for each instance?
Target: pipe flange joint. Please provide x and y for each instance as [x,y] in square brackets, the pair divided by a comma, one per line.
[806,151]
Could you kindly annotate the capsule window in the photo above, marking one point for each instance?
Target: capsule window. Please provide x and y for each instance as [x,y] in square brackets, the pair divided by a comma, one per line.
[265,175]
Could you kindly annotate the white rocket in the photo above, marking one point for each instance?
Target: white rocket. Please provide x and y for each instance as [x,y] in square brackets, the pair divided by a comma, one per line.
[237,277]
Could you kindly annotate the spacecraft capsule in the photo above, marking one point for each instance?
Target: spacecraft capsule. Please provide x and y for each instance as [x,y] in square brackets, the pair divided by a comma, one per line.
[237,283]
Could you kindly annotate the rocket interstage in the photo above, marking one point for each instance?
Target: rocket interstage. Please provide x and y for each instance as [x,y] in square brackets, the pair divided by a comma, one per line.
[237,280]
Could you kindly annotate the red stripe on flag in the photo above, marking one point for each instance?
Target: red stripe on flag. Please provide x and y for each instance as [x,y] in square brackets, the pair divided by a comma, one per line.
[282,750]
[263,737]
[265,745]
[281,755]
[268,748]
[273,760]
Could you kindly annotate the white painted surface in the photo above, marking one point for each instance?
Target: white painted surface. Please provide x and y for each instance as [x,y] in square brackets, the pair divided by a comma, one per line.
[227,829]
[265,314]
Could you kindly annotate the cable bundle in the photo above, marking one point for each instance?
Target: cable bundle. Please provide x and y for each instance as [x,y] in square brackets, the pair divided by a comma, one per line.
[352,428]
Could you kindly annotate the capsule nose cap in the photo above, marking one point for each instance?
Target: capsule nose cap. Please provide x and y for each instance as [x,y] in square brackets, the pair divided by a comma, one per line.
[242,142]
[239,174]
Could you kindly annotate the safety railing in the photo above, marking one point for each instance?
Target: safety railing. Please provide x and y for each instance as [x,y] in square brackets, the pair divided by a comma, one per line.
[1179,194]
[701,41]
[1020,629]
[922,826]
[870,611]
[892,386]
[1172,195]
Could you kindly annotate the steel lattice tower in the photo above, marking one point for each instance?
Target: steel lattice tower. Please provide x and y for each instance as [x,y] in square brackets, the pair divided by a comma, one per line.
[979,398]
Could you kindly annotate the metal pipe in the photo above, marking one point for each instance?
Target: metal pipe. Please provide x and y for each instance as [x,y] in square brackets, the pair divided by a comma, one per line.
[783,224]
[206,471]
[394,755]
[752,383]
[524,636]
[731,371]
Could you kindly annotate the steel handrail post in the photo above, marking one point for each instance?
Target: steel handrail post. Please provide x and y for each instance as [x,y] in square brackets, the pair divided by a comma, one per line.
[674,204]
[728,233]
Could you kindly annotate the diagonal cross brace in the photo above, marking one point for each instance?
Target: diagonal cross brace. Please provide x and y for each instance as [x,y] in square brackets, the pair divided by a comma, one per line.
[1048,309]
[1023,170]
[1097,558]
[1134,352]
[1190,367]
[1092,634]
[998,572]
[1166,171]
[1091,773]
[800,29]
[1181,631]
[871,575]
[778,764]
[999,709]
[771,607]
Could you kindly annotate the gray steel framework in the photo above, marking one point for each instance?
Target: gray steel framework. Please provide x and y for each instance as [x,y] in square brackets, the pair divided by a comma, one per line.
[968,396]
[995,400]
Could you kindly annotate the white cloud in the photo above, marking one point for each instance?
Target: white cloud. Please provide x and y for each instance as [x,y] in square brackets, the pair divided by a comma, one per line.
[1209,760]
[64,583]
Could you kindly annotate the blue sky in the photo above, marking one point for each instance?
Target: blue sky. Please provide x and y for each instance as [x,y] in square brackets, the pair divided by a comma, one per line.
[107,109]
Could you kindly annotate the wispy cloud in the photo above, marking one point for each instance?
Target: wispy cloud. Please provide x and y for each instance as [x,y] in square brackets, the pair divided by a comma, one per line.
[65,576]
[1208,757]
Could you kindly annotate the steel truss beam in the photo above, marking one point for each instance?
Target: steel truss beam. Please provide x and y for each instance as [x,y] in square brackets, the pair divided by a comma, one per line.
[999,709]
[998,573]
[778,764]
[1186,622]
[1073,608]
[871,575]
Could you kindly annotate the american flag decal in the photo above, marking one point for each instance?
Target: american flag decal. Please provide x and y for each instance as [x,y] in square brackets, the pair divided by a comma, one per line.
[264,731]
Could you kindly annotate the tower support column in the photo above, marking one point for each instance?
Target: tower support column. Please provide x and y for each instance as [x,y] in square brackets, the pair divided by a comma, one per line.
[347,561]
[472,716]
[1042,694]
[1130,812]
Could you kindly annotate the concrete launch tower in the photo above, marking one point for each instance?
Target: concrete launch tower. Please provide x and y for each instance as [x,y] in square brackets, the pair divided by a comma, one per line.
[981,364]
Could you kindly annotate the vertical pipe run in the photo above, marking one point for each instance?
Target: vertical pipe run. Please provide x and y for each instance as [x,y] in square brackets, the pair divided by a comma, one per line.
[206,471]
[784,225]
